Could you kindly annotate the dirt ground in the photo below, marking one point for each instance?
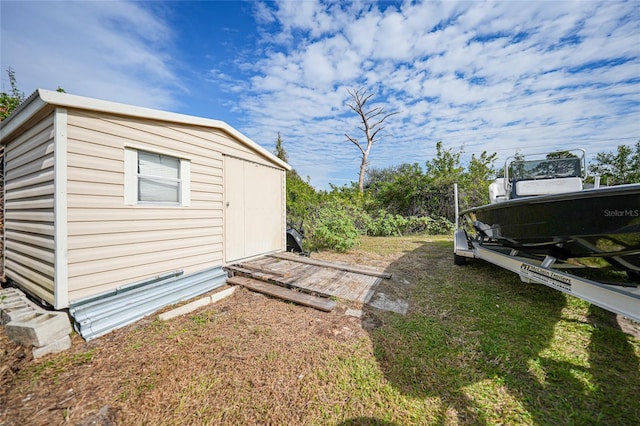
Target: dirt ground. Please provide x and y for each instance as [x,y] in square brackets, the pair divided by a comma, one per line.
[247,346]
[85,386]
[86,392]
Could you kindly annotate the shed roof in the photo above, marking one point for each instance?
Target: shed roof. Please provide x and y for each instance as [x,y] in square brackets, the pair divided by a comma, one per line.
[42,99]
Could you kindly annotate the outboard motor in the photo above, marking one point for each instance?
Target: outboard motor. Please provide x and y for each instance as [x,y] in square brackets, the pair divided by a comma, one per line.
[294,240]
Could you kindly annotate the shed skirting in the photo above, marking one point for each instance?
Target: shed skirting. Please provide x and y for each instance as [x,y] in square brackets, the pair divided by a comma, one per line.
[99,315]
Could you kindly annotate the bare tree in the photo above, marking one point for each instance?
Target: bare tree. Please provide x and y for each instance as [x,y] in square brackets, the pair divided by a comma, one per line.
[370,126]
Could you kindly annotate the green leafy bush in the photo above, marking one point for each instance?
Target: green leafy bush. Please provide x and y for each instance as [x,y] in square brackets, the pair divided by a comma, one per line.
[399,200]
[428,225]
[301,199]
[337,224]
[333,228]
[386,224]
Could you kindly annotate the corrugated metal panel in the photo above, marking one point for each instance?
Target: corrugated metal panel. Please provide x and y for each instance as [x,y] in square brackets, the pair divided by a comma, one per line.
[99,315]
[29,192]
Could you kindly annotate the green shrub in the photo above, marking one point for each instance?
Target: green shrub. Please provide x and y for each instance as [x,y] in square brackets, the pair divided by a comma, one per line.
[333,228]
[428,225]
[337,226]
[386,224]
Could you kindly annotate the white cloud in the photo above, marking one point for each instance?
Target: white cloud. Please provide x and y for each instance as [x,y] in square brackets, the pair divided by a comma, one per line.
[465,81]
[359,33]
[110,50]
[493,76]
[318,69]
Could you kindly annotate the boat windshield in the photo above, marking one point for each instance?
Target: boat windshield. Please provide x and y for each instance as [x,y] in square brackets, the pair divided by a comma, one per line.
[544,169]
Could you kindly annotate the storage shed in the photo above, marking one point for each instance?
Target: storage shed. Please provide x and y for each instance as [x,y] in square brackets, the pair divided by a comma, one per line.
[114,211]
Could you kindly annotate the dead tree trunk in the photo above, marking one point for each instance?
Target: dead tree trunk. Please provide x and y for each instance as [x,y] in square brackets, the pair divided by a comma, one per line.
[370,127]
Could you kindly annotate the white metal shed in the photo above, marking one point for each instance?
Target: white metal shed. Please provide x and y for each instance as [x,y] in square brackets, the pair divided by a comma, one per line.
[110,205]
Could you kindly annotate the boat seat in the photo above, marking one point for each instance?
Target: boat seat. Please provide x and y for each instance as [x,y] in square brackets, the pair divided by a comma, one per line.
[496,191]
[525,188]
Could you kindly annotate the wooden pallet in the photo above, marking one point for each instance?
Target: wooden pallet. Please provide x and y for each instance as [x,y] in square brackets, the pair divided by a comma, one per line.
[274,290]
[341,267]
[312,276]
[250,267]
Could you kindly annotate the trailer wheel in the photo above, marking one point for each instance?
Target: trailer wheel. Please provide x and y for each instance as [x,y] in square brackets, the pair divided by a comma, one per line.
[459,260]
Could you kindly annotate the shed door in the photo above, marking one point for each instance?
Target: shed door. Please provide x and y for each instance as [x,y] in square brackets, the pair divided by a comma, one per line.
[254,216]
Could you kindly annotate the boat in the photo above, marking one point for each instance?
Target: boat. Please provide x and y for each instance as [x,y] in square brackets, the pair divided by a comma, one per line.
[542,208]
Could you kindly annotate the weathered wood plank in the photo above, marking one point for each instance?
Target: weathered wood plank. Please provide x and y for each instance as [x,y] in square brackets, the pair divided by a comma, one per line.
[264,270]
[368,291]
[254,274]
[315,280]
[328,281]
[270,279]
[348,268]
[303,273]
[325,305]
[291,269]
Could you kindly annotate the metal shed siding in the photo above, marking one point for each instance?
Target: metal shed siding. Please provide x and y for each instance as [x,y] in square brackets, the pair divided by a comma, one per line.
[225,144]
[263,187]
[254,209]
[111,244]
[29,209]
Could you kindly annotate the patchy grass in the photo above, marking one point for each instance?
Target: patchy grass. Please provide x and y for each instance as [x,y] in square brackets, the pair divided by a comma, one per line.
[476,347]
[53,367]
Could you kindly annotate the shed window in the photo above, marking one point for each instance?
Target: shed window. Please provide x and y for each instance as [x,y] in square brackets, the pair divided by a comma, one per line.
[158,178]
[155,178]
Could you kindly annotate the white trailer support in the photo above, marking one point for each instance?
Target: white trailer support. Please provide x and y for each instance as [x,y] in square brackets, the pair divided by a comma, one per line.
[621,300]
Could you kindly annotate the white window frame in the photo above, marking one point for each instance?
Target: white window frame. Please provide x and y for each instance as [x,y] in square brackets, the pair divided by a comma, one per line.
[131,178]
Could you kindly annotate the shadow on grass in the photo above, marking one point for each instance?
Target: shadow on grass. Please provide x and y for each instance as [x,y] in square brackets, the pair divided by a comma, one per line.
[366,421]
[492,349]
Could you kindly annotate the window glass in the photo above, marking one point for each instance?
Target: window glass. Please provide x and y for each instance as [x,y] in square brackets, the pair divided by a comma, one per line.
[158,178]
[545,169]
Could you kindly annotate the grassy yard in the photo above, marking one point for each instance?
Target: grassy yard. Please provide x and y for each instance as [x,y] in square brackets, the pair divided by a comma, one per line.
[477,346]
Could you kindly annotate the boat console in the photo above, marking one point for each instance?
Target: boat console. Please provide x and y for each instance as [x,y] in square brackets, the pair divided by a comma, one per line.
[555,173]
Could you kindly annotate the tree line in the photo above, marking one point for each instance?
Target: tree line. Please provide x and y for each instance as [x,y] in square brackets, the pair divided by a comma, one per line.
[415,198]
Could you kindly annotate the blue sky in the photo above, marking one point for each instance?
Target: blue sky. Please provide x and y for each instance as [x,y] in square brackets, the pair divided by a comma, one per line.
[496,76]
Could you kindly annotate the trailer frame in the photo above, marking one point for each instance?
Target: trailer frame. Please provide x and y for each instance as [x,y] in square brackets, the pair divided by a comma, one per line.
[619,298]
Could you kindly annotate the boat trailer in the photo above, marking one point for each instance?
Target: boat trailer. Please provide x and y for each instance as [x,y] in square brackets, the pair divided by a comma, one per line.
[620,299]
